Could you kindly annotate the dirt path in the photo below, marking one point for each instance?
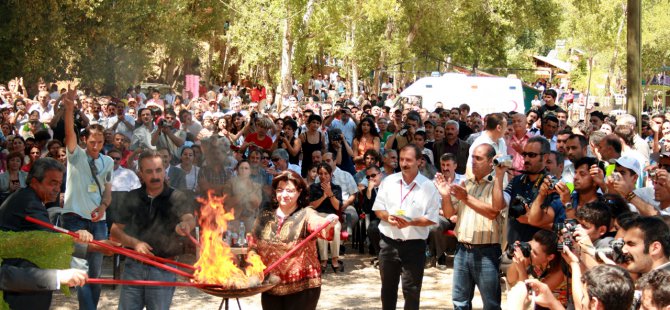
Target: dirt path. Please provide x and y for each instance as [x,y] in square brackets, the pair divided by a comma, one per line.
[357,288]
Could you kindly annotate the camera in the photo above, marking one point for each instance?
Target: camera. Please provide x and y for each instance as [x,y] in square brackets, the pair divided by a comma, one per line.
[554,180]
[615,251]
[164,123]
[503,161]
[337,137]
[517,208]
[569,225]
[616,176]
[254,115]
[652,174]
[524,246]
[404,130]
[281,134]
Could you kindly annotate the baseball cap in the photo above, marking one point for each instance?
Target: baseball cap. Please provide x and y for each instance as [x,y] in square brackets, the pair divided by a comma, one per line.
[630,163]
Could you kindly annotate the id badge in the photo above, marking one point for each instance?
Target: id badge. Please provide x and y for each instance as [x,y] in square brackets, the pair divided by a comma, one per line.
[92,188]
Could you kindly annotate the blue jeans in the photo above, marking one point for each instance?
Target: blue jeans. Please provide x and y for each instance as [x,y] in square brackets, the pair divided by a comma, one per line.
[89,294]
[153,297]
[476,266]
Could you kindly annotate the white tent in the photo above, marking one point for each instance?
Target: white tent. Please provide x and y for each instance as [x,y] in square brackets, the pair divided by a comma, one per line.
[484,95]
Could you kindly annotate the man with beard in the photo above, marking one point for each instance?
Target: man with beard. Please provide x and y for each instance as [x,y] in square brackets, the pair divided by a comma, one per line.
[646,244]
[561,140]
[528,186]
[586,190]
[454,145]
[151,221]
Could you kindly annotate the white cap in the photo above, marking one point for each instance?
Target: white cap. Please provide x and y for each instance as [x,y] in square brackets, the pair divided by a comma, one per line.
[630,163]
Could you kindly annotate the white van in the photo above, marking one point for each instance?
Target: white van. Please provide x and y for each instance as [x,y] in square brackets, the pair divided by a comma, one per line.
[484,95]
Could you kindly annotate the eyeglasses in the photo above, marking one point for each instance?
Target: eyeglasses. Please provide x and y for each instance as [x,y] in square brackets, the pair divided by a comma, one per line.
[285,190]
[531,154]
[116,158]
[276,159]
[374,175]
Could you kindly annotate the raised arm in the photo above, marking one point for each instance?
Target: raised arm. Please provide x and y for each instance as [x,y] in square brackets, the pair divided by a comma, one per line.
[70,134]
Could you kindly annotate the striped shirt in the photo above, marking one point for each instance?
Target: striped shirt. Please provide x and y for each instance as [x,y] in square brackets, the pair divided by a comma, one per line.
[472,227]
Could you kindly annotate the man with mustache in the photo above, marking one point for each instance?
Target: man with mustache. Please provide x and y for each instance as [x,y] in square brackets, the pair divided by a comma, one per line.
[527,185]
[407,204]
[151,221]
[454,145]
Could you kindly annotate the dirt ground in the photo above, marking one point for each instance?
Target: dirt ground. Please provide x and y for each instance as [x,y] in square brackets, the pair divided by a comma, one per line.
[357,288]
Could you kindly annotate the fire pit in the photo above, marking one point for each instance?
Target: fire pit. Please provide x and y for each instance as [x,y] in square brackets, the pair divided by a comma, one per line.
[241,292]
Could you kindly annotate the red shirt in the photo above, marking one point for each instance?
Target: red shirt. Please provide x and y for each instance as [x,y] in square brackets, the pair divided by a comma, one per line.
[265,144]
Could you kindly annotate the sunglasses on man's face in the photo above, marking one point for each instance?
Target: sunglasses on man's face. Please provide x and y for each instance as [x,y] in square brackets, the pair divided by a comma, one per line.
[374,175]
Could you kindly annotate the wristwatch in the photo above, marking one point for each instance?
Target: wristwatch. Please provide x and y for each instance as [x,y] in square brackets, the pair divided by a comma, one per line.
[568,206]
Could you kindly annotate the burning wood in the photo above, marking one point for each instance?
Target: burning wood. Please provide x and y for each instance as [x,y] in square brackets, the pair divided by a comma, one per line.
[216,265]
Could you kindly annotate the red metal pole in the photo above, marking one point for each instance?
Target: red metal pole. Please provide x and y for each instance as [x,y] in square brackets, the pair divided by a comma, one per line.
[295,248]
[118,250]
[143,283]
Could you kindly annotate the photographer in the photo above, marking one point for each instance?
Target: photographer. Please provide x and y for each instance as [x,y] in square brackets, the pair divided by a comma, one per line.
[404,135]
[341,149]
[168,136]
[288,140]
[539,259]
[586,190]
[526,188]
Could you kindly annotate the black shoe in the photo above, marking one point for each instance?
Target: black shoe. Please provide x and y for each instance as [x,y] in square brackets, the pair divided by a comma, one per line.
[323,268]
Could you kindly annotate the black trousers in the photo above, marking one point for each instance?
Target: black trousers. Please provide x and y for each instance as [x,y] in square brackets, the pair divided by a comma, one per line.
[306,299]
[374,235]
[401,259]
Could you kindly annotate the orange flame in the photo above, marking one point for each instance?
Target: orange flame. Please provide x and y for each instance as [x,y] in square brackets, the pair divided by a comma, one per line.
[216,264]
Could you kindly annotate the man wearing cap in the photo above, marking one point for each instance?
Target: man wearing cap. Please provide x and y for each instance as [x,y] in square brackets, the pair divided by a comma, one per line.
[281,164]
[646,200]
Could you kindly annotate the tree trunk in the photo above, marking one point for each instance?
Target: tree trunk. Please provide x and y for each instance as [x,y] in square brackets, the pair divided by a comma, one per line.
[382,57]
[610,72]
[286,56]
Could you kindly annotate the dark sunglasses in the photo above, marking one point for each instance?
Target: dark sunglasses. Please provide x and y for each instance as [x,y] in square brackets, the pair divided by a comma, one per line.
[116,158]
[276,159]
[531,154]
[374,175]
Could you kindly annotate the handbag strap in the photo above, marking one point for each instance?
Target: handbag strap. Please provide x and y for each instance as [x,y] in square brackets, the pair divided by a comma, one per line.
[94,173]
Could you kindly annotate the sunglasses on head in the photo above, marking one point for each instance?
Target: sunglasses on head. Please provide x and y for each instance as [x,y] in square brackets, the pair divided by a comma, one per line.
[374,175]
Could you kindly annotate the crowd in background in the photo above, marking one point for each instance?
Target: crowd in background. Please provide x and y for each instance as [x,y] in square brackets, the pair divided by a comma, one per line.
[569,188]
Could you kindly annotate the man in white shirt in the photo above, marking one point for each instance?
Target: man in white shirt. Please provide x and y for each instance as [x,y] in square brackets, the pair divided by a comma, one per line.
[407,204]
[45,108]
[496,126]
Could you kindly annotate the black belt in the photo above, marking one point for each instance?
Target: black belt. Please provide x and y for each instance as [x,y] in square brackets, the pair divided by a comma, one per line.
[400,240]
[471,246]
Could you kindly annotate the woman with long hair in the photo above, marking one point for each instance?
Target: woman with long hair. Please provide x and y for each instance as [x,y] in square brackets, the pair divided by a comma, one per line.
[311,140]
[278,229]
[19,145]
[366,138]
[35,154]
[237,129]
[541,260]
[326,199]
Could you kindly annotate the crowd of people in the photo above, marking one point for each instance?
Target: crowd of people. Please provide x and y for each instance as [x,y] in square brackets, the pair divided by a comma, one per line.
[570,213]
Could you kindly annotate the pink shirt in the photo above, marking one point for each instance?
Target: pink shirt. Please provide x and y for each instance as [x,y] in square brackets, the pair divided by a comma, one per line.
[517,158]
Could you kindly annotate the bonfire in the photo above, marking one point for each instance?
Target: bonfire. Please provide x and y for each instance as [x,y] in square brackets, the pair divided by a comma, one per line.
[216,265]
